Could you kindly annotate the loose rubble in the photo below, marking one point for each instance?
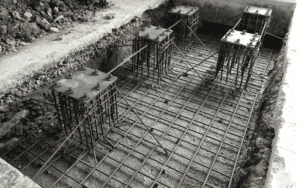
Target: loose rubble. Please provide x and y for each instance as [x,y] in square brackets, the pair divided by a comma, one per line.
[26,21]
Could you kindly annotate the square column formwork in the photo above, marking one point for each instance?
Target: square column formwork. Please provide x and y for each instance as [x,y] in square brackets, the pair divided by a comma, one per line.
[238,53]
[255,20]
[188,25]
[85,101]
[153,61]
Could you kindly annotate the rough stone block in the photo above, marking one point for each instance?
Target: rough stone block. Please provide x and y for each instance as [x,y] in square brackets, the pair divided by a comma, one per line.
[7,126]
[3,29]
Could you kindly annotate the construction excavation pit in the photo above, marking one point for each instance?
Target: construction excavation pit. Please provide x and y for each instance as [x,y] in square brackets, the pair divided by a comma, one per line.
[179,111]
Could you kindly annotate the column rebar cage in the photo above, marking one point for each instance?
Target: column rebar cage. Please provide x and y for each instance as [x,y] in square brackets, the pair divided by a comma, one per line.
[255,20]
[189,22]
[237,56]
[84,110]
[85,113]
[153,61]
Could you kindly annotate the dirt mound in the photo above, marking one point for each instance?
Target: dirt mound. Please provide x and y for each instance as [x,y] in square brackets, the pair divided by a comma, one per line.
[24,20]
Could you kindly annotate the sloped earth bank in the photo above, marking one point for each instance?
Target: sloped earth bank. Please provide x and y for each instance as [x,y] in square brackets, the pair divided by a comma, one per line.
[23,21]
[255,162]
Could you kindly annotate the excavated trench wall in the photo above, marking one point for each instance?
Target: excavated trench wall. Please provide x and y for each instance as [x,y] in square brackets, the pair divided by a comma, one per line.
[254,162]
[218,11]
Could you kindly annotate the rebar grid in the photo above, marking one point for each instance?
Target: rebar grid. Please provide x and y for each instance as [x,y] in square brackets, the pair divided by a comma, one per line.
[187,114]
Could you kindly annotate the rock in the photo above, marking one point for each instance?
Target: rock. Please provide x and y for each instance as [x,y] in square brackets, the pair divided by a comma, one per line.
[7,126]
[259,142]
[49,12]
[4,108]
[11,42]
[110,16]
[3,29]
[63,7]
[45,24]
[23,43]
[38,20]
[55,2]
[17,16]
[267,141]
[9,143]
[55,10]
[49,172]
[30,126]
[13,30]
[47,128]
[40,120]
[25,29]
[27,16]
[35,30]
[4,15]
[19,130]
[14,1]
[43,14]
[54,29]
[58,18]
[59,27]
[88,16]
[39,8]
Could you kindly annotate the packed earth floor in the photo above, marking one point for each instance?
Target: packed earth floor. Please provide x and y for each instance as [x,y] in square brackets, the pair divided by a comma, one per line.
[202,123]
